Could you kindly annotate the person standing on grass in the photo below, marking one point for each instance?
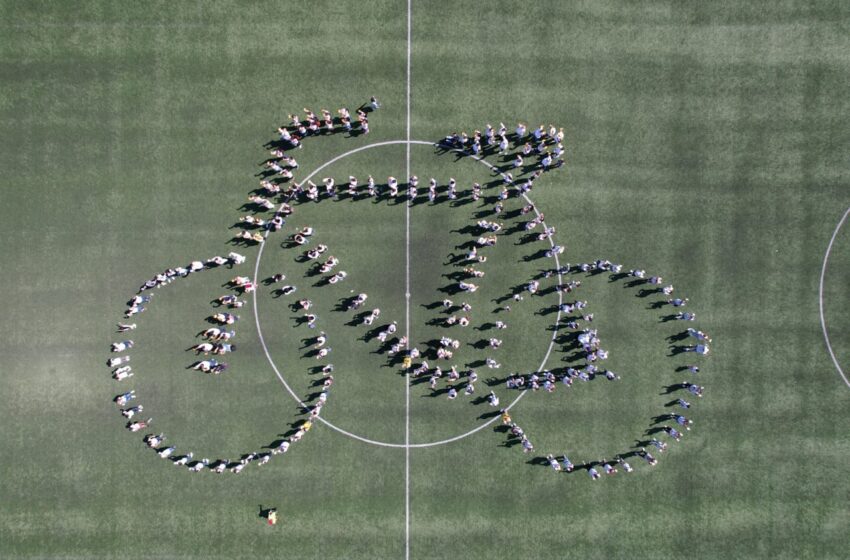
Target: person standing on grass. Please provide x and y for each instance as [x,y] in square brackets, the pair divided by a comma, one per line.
[154,440]
[184,459]
[648,457]
[452,190]
[506,417]
[136,426]
[130,412]
[125,398]
[660,445]
[673,432]
[121,346]
[167,452]
[683,421]
[558,151]
[520,132]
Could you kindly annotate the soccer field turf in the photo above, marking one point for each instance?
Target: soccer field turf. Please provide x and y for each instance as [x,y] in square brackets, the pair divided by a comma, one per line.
[706,143]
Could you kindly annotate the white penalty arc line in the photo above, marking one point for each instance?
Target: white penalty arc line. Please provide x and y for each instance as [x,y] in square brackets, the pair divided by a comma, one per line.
[820,297]
[334,426]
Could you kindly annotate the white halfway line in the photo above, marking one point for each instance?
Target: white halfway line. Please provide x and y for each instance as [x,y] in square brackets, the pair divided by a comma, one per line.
[407,305]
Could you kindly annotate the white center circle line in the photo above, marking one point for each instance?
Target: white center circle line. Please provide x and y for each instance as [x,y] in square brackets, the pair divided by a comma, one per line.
[359,437]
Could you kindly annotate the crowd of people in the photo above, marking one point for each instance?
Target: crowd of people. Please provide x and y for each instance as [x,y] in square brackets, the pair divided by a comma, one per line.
[136,305]
[216,341]
[586,340]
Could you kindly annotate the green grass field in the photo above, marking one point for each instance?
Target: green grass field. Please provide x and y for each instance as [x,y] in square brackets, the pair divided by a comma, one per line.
[705,142]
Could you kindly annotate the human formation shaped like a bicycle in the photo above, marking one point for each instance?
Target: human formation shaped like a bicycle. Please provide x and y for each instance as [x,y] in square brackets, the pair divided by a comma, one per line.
[527,156]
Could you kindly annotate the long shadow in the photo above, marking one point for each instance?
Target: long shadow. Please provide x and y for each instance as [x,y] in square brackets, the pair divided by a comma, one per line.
[451,289]
[527,238]
[677,337]
[357,320]
[662,418]
[538,461]
[645,293]
[454,259]
[535,256]
[438,392]
[419,380]
[676,350]
[455,276]
[344,304]
[280,292]
[466,245]
[373,333]
[673,388]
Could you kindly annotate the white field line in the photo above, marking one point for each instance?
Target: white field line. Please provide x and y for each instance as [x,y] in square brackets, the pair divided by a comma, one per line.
[407,305]
[820,297]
